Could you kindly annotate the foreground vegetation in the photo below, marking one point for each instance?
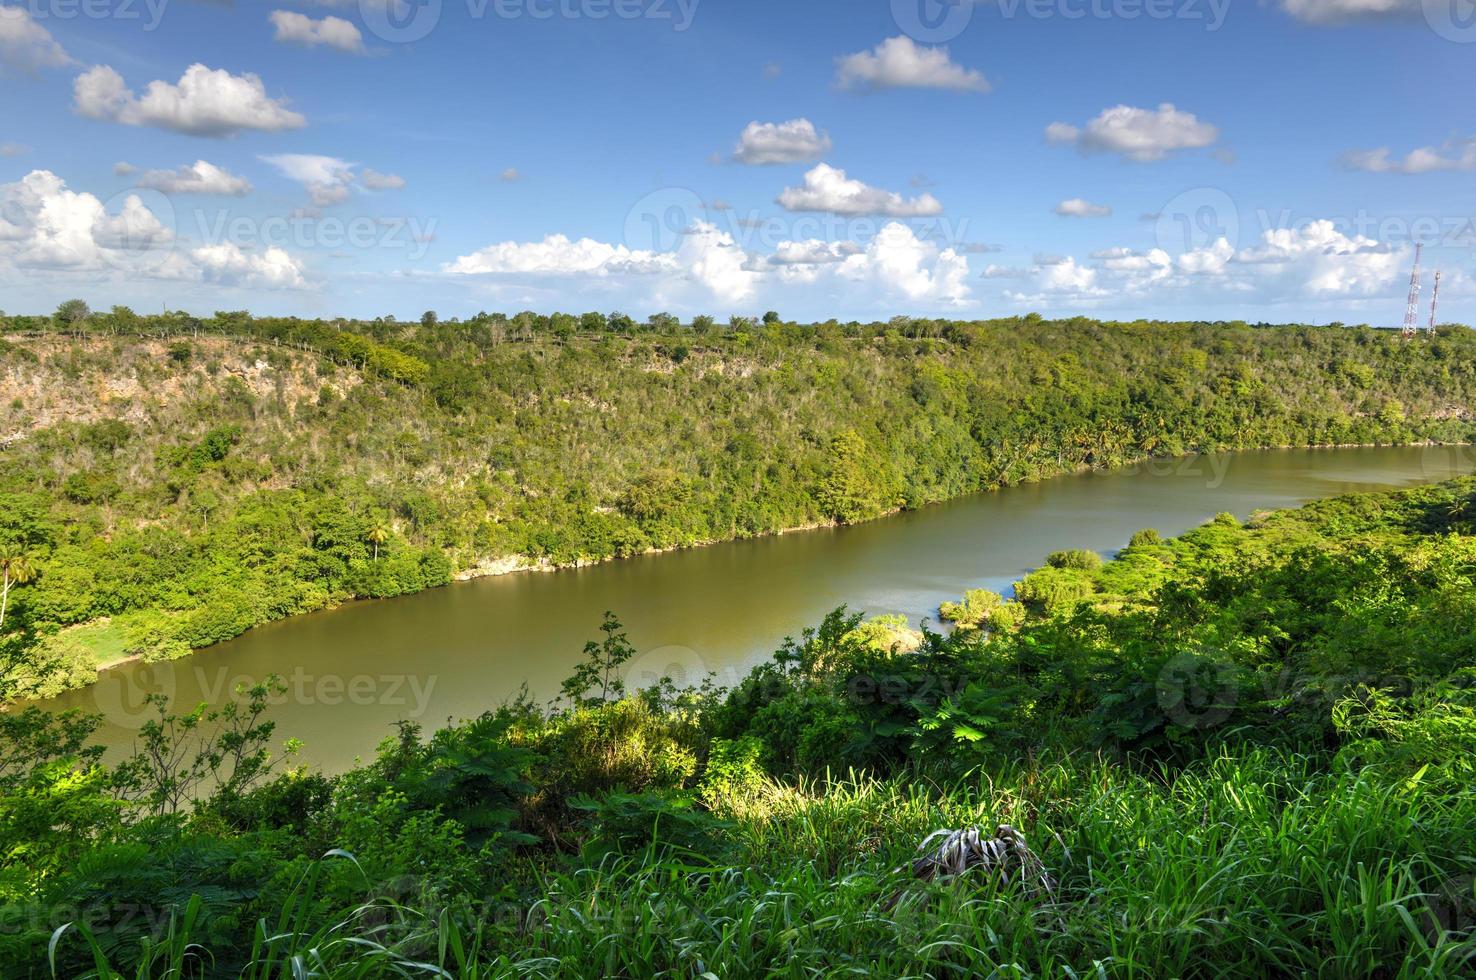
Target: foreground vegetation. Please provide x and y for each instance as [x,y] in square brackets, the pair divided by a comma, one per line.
[1244,752]
[169,482]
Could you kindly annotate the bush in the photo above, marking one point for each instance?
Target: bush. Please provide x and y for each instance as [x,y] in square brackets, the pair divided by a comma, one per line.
[1146,538]
[734,771]
[631,745]
[1053,591]
[1076,558]
[976,606]
[662,824]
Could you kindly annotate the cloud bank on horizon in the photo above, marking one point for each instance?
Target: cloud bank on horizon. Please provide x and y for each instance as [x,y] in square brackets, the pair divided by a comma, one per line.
[840,160]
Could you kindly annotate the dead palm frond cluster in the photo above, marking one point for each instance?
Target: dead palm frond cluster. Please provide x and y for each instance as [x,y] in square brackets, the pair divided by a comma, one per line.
[946,854]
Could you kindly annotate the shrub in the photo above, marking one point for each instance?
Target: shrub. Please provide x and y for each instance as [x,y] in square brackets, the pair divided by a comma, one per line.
[1146,538]
[1053,591]
[1079,559]
[975,607]
[662,824]
[630,745]
[734,771]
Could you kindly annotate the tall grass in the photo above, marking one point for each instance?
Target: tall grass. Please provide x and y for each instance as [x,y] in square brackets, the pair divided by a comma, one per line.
[1254,863]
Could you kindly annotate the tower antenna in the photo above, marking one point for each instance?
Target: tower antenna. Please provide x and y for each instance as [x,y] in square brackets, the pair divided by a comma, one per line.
[1412,311]
[1434,302]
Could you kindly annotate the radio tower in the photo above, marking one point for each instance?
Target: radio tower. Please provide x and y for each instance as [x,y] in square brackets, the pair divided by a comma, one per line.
[1412,311]
[1434,302]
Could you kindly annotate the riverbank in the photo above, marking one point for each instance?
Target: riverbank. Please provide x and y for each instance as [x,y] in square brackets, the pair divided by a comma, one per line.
[190,488]
[714,610]
[95,635]
[516,564]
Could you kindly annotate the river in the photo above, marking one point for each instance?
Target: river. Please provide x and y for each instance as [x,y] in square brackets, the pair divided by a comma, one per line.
[450,653]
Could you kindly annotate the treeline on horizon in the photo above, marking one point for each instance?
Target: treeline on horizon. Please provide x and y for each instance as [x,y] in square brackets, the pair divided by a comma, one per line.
[171,481]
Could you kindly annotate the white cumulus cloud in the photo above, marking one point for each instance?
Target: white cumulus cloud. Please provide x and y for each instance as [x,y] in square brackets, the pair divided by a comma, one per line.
[1142,135]
[812,251]
[555,255]
[200,177]
[228,263]
[1078,207]
[1315,261]
[328,180]
[898,62]
[332,32]
[828,189]
[204,102]
[796,141]
[26,46]
[706,256]
[708,265]
[1343,11]
[1453,155]
[902,264]
[48,229]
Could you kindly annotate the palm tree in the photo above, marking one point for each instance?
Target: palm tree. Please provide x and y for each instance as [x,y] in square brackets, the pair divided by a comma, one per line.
[14,570]
[378,535]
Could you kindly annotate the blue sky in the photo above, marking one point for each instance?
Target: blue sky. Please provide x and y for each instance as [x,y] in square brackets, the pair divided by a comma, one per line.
[1121,158]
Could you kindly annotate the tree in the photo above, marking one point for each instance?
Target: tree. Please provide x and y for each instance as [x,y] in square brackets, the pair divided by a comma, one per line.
[857,486]
[378,535]
[771,317]
[72,312]
[601,660]
[429,318]
[15,569]
[25,531]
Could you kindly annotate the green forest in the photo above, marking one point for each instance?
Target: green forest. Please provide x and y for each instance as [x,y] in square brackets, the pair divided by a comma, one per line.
[1248,751]
[170,481]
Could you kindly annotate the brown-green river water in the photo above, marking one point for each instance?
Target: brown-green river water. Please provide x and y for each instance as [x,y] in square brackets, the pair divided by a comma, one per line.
[450,653]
